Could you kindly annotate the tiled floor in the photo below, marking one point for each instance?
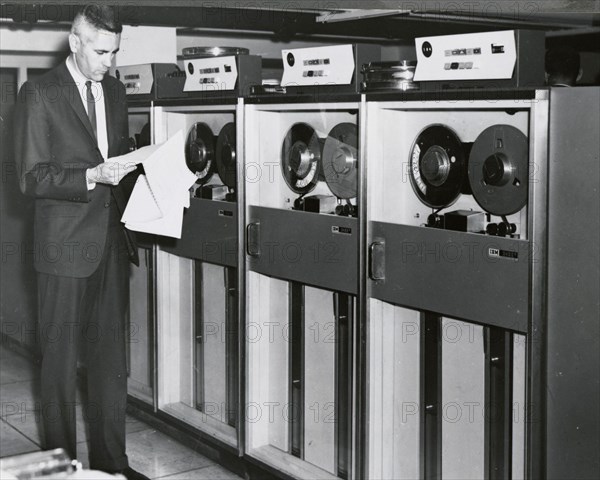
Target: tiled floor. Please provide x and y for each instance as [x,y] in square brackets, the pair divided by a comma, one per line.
[150,451]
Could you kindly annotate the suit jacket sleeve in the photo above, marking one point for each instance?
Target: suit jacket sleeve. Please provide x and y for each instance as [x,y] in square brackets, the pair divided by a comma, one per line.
[42,175]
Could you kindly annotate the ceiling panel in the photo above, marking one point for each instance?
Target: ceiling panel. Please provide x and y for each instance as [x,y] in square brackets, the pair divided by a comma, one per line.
[575,22]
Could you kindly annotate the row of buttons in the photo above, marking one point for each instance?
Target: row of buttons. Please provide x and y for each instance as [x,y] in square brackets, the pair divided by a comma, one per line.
[316,73]
[458,66]
[462,51]
[319,61]
[208,70]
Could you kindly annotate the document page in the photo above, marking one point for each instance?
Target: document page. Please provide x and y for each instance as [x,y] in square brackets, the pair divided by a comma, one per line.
[159,197]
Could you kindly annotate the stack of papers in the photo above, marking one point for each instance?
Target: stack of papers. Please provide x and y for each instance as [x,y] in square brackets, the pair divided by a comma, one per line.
[159,197]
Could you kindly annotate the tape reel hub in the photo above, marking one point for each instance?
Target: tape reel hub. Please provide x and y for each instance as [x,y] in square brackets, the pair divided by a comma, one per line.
[226,155]
[340,160]
[498,170]
[198,154]
[200,151]
[301,158]
[343,160]
[437,166]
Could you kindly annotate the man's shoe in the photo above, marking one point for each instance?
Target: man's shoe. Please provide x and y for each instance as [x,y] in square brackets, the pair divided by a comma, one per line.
[131,474]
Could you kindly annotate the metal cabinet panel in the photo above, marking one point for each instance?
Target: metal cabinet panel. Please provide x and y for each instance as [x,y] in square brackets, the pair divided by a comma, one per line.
[209,233]
[472,277]
[311,248]
[573,366]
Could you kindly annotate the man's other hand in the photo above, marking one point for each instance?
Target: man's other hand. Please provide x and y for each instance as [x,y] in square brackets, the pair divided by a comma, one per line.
[109,172]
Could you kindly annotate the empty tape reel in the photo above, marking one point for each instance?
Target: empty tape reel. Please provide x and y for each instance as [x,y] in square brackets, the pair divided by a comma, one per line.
[226,155]
[340,160]
[200,152]
[437,166]
[498,169]
[389,75]
[207,52]
[301,158]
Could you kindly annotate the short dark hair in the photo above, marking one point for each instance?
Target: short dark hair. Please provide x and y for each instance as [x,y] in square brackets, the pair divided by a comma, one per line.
[562,61]
[101,17]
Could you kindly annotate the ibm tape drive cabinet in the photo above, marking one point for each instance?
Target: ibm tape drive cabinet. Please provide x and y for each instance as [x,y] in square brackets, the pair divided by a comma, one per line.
[302,251]
[200,276]
[482,271]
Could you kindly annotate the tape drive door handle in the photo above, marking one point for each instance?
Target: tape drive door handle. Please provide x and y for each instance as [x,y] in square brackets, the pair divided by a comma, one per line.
[377,261]
[253,239]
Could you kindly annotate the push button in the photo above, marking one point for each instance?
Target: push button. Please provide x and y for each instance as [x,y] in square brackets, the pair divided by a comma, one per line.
[106,204]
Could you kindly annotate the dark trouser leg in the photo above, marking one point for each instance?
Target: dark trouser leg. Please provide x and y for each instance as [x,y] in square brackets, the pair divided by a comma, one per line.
[93,309]
[59,307]
[104,337]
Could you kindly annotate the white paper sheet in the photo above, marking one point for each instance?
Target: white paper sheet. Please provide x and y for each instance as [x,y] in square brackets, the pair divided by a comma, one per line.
[142,207]
[159,197]
[168,224]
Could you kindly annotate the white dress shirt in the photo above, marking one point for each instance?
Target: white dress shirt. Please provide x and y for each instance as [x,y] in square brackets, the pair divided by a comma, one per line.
[98,93]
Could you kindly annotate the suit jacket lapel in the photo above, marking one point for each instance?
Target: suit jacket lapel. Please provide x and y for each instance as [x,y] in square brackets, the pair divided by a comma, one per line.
[71,93]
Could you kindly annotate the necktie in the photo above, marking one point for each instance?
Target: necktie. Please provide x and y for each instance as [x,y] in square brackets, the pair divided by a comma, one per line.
[91,106]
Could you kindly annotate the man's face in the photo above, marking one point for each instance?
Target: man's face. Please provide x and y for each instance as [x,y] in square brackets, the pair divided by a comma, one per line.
[94,50]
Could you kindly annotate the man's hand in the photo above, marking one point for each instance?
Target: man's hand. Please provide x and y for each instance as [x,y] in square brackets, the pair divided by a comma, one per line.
[109,172]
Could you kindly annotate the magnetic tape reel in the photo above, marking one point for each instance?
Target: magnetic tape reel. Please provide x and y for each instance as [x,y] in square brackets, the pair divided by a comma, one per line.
[301,158]
[200,152]
[498,165]
[226,155]
[389,75]
[438,166]
[141,139]
[207,52]
[340,160]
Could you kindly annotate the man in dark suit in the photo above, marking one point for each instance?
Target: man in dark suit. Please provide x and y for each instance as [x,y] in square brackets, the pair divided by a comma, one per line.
[68,125]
